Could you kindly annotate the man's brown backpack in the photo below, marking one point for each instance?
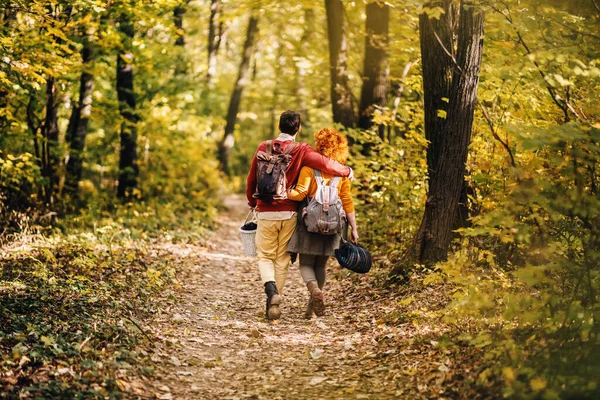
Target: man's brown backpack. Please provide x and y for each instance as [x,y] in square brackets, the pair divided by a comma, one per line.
[271,165]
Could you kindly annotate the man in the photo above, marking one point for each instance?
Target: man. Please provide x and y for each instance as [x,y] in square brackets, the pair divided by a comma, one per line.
[277,218]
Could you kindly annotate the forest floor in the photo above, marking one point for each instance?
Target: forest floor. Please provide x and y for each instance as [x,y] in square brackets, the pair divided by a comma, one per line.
[214,343]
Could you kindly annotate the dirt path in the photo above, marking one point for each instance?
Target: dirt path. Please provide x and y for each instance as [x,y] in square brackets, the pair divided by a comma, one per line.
[216,343]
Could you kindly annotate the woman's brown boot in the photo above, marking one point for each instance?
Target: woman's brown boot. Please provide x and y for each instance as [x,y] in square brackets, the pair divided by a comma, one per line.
[309,309]
[316,295]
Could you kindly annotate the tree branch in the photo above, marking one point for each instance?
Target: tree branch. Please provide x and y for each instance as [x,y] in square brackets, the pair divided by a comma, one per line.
[495,134]
[596,6]
[550,89]
[564,105]
[447,52]
[401,88]
[574,30]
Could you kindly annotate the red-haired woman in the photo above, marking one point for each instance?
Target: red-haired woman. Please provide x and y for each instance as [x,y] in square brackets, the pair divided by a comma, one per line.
[315,249]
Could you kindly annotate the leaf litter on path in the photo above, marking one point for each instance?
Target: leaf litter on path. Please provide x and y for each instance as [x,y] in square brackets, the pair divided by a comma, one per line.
[216,328]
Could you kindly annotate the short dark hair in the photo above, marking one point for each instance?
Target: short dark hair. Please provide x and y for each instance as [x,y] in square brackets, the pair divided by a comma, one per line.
[289,122]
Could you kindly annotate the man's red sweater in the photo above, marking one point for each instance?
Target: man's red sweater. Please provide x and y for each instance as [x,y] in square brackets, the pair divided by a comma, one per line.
[302,155]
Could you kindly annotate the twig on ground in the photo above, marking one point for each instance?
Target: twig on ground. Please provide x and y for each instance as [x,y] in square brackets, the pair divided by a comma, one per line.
[139,327]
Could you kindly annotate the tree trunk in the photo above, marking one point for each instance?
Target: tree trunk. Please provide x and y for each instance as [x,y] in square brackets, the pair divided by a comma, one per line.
[128,167]
[8,18]
[445,192]
[3,108]
[178,13]
[228,141]
[341,95]
[437,68]
[50,133]
[276,92]
[215,33]
[433,238]
[51,153]
[376,69]
[78,124]
[301,92]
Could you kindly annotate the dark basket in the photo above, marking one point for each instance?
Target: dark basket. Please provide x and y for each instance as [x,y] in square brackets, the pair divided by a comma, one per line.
[354,257]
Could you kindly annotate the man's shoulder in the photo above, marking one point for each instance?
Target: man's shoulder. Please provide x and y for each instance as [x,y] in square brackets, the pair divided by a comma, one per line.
[262,146]
[300,147]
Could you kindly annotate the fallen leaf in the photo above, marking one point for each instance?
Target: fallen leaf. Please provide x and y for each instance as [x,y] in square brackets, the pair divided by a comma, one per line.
[11,380]
[316,380]
[185,373]
[255,333]
[316,354]
[178,318]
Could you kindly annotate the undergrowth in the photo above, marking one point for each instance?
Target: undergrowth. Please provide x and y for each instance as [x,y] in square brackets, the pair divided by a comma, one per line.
[70,308]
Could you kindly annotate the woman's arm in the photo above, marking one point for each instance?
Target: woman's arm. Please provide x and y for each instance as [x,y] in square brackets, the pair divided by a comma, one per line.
[348,204]
[315,160]
[352,222]
[346,196]
[299,192]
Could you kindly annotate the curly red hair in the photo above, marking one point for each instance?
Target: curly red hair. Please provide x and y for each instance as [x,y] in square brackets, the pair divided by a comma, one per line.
[332,144]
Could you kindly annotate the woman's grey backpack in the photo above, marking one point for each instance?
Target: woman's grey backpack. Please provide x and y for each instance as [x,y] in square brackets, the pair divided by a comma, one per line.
[324,213]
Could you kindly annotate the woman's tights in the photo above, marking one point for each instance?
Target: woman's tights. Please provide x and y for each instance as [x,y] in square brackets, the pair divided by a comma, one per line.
[312,268]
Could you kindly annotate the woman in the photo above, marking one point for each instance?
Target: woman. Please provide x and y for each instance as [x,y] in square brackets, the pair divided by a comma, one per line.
[315,249]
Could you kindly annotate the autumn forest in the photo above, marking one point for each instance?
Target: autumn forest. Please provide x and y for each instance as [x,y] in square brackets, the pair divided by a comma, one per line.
[127,131]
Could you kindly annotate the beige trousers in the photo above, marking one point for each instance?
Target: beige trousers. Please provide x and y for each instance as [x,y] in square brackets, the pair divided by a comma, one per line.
[272,239]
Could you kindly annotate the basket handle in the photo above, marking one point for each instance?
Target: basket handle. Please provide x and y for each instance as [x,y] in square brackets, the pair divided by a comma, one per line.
[254,216]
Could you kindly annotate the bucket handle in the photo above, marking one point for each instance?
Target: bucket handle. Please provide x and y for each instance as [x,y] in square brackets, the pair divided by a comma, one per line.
[254,216]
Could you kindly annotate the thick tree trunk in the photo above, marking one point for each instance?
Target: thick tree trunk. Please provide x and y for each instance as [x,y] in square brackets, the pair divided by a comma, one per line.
[228,141]
[445,191]
[436,42]
[215,33]
[376,69]
[341,96]
[128,167]
[78,124]
[433,238]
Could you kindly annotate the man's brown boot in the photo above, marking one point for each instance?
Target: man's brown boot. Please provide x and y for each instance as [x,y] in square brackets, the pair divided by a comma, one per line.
[273,300]
[316,295]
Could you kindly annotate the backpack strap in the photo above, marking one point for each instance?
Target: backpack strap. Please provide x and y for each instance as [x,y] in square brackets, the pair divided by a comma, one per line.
[320,184]
[318,177]
[334,182]
[289,148]
[269,144]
